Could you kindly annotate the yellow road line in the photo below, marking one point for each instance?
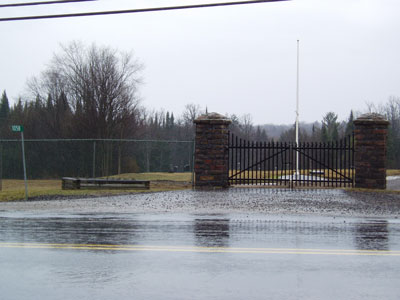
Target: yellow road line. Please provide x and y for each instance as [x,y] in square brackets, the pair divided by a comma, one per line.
[186,247]
[200,249]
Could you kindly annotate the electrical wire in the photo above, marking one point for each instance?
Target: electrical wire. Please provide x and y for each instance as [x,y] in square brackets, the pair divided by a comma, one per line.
[140,10]
[92,140]
[41,3]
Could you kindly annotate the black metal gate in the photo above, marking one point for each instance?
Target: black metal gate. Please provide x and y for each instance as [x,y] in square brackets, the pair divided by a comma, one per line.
[288,164]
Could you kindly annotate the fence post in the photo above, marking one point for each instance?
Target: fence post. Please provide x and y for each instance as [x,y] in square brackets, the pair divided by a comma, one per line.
[1,166]
[192,158]
[370,135]
[94,159]
[147,157]
[211,165]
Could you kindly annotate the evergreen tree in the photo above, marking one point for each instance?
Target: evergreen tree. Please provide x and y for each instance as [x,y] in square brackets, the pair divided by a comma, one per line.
[350,124]
[167,120]
[324,133]
[172,120]
[49,104]
[4,107]
[261,134]
[18,108]
[316,133]
[330,127]
[38,103]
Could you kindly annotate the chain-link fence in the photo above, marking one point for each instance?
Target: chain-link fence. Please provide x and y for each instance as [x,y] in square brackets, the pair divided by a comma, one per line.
[55,158]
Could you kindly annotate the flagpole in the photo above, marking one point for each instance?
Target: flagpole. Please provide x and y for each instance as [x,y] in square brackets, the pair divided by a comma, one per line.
[297,110]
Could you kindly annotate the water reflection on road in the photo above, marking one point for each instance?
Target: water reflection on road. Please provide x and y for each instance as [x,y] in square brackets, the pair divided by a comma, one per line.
[373,235]
[201,230]
[144,256]
[212,232]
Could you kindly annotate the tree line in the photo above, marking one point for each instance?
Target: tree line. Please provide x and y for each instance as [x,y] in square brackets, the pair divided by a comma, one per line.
[91,92]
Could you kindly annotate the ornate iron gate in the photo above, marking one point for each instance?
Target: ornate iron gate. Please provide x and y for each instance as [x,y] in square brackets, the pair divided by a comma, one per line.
[288,164]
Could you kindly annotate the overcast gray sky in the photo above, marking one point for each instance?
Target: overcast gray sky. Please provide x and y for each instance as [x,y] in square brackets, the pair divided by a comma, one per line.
[234,60]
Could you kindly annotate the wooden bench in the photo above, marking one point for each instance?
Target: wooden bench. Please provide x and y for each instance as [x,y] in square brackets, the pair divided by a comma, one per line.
[76,183]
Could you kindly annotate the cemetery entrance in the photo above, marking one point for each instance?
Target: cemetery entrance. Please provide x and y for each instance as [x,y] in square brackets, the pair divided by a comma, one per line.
[307,164]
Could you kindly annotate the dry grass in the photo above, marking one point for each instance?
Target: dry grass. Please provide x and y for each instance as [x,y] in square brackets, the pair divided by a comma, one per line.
[157,176]
[15,189]
[392,172]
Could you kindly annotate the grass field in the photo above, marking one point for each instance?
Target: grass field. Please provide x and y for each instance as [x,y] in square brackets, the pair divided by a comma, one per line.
[15,189]
[393,172]
[178,177]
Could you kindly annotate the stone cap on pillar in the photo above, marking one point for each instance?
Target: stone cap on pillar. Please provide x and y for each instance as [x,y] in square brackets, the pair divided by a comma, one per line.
[213,118]
[371,118]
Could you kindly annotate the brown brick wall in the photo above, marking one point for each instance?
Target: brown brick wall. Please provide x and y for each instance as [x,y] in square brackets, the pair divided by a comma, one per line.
[211,152]
[370,135]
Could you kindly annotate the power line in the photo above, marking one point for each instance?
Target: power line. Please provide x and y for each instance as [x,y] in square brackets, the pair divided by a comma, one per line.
[140,10]
[41,3]
[93,140]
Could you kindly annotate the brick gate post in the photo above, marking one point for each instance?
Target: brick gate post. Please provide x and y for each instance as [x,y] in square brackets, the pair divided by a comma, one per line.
[211,151]
[370,133]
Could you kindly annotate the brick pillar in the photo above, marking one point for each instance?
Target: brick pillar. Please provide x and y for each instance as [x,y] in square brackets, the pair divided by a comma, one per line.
[370,133]
[211,154]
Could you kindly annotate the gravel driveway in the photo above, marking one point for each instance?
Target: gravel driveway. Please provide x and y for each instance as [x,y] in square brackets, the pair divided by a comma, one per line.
[327,202]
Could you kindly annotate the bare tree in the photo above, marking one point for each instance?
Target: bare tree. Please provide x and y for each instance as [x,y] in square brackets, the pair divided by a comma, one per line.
[247,126]
[96,87]
[391,110]
[191,112]
[100,84]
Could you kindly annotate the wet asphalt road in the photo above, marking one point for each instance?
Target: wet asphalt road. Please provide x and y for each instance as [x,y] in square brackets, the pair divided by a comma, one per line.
[115,255]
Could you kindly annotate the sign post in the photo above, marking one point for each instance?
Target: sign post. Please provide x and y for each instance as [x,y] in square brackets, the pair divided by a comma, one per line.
[1,166]
[20,128]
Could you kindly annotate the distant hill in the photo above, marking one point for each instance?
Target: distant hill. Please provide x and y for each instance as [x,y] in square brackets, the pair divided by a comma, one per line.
[274,131]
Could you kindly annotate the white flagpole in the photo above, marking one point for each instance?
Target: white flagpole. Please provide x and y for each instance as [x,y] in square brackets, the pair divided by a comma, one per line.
[297,111]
